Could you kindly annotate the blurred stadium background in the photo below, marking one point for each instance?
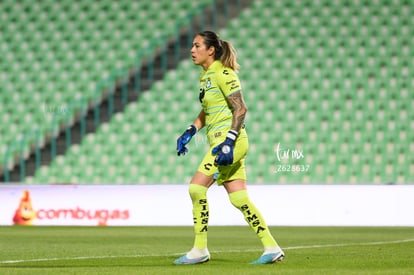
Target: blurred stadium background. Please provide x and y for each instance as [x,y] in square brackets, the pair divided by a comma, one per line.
[97,92]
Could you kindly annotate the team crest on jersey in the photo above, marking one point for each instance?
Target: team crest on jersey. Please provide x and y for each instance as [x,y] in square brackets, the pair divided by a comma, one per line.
[208,83]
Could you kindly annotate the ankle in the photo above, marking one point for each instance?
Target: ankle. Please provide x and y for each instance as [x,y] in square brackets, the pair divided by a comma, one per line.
[270,250]
[197,253]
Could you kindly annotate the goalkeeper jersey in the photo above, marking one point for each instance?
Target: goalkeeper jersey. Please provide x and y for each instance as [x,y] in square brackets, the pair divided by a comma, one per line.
[216,84]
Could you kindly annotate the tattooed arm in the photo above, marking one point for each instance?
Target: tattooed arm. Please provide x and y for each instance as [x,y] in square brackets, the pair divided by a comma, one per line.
[239,109]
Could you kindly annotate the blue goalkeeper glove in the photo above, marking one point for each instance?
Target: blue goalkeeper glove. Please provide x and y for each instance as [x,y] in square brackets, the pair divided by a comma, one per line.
[184,139]
[224,151]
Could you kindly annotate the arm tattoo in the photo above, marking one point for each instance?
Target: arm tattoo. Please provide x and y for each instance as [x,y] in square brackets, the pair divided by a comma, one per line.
[238,108]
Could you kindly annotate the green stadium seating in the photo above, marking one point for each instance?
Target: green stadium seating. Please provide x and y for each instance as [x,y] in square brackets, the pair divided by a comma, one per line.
[55,52]
[330,78]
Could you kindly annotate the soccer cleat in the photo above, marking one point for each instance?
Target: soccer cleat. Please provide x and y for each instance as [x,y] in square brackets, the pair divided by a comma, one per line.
[185,260]
[270,258]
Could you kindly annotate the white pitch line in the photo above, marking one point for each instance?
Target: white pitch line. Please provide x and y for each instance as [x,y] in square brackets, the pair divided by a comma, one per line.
[88,257]
[224,251]
[348,244]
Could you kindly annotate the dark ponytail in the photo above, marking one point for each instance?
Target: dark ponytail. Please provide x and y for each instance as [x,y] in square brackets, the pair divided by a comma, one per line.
[224,50]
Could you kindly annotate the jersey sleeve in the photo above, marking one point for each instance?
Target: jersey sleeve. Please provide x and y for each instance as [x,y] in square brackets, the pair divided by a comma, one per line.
[228,81]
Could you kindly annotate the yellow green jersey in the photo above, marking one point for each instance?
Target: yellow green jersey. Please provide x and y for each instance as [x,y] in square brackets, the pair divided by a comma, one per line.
[217,83]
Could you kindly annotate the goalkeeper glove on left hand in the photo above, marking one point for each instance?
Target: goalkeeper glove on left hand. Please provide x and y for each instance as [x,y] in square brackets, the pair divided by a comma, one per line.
[225,150]
[184,139]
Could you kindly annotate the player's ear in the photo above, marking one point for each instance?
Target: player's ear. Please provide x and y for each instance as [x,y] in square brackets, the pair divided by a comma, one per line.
[211,51]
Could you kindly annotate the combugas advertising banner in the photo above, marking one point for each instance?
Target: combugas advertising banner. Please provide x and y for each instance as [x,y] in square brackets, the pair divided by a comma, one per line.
[169,205]
[86,205]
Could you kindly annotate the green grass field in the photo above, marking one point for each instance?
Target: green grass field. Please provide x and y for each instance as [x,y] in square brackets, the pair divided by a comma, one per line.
[151,250]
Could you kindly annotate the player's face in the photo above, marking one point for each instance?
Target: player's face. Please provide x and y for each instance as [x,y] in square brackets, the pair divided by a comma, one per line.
[200,54]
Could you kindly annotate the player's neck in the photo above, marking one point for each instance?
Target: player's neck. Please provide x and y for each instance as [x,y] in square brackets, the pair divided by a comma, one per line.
[207,64]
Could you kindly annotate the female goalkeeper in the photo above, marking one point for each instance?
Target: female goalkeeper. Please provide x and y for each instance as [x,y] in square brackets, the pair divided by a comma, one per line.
[223,112]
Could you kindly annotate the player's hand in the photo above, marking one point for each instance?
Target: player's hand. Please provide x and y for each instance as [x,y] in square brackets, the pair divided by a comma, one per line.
[184,139]
[224,151]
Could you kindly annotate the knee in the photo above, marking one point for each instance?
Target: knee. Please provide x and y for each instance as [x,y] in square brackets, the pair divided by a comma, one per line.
[239,198]
[197,191]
